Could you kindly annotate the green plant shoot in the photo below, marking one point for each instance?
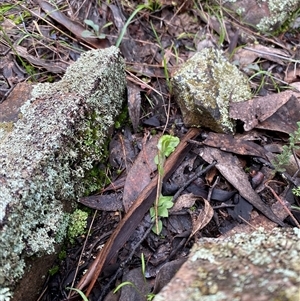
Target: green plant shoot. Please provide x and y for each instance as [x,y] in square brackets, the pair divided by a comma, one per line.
[150,6]
[166,145]
[82,295]
[287,151]
[124,284]
[282,160]
[96,30]
[149,296]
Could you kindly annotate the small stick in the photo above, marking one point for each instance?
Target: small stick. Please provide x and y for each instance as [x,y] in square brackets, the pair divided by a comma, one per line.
[282,202]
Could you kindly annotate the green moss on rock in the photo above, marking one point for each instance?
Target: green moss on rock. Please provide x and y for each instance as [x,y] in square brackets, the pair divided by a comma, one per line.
[77,224]
[44,160]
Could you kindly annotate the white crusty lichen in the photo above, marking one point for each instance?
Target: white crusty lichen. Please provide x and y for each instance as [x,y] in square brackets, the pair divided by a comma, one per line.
[45,162]
[263,265]
[204,87]
[2,134]
[268,261]
[267,15]
[5,294]
[280,11]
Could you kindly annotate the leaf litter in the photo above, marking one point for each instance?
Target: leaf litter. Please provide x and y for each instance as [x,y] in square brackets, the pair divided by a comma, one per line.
[151,53]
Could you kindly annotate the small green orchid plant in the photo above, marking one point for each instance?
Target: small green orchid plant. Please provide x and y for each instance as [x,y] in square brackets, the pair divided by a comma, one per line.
[166,145]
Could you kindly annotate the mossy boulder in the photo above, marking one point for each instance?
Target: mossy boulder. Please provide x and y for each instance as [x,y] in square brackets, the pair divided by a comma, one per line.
[46,159]
[263,265]
[204,86]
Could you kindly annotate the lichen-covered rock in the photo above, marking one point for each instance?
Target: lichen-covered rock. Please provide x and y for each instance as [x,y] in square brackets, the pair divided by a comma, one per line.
[266,16]
[203,88]
[259,266]
[47,158]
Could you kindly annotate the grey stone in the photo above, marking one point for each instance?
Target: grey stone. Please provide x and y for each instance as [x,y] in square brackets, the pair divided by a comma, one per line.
[47,158]
[203,88]
[265,16]
[261,266]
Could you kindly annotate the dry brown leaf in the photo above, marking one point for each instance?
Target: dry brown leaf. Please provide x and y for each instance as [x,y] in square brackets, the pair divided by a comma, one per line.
[10,109]
[134,104]
[181,23]
[210,175]
[285,118]
[296,86]
[228,143]
[257,110]
[108,202]
[203,218]
[54,67]
[228,165]
[139,175]
[246,56]
[184,201]
[292,76]
[74,27]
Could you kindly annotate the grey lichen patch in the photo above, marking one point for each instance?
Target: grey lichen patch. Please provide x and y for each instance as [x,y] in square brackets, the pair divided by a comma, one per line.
[267,16]
[258,266]
[45,159]
[280,11]
[203,88]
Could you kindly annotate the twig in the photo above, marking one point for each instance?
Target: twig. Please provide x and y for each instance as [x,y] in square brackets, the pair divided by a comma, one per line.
[140,82]
[196,176]
[246,222]
[167,114]
[272,54]
[210,191]
[281,202]
[158,192]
